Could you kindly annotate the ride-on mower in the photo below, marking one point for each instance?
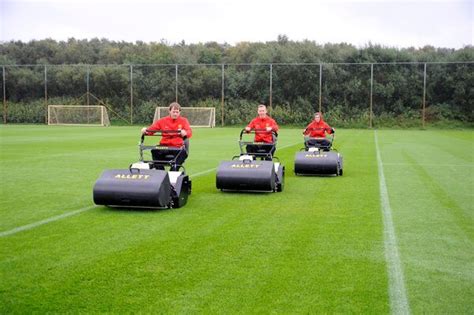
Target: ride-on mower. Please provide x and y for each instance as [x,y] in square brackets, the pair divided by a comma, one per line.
[254,170]
[318,157]
[147,183]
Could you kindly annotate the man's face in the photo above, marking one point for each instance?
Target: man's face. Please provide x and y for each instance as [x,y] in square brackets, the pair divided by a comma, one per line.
[262,112]
[174,113]
[317,118]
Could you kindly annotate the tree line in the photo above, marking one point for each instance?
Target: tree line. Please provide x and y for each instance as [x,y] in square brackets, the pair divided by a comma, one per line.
[133,78]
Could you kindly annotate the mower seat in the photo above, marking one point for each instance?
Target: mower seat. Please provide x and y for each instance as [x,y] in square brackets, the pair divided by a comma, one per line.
[168,154]
[263,151]
[259,148]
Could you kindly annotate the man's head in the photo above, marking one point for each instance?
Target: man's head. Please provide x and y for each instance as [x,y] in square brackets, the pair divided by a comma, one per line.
[262,111]
[174,110]
[317,116]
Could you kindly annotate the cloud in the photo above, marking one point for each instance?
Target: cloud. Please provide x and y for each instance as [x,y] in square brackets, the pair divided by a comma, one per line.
[391,23]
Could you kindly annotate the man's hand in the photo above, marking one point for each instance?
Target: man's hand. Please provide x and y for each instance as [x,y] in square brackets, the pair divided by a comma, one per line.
[143,130]
[269,128]
[247,129]
[183,133]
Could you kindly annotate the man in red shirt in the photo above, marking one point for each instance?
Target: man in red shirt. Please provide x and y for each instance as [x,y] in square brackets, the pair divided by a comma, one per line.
[173,139]
[316,131]
[265,126]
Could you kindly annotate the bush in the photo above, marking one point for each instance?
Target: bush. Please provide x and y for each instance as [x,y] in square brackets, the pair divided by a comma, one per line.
[239,112]
[442,112]
[340,117]
[27,113]
[143,113]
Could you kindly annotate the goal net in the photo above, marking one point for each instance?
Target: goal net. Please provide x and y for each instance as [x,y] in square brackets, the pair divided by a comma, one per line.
[197,116]
[89,115]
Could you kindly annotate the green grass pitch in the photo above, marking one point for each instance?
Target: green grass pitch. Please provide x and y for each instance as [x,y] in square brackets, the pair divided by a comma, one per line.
[317,247]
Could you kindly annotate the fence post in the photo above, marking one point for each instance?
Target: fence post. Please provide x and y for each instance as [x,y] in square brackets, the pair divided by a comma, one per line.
[424,98]
[4,97]
[46,94]
[87,83]
[176,82]
[222,96]
[371,94]
[131,94]
[320,86]
[271,83]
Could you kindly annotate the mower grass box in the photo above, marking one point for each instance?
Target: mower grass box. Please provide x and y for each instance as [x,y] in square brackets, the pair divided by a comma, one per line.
[246,175]
[318,163]
[127,187]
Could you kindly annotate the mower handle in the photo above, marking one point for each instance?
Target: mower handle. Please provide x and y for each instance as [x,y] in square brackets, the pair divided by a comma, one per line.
[329,129]
[258,130]
[331,139]
[315,138]
[160,132]
[156,133]
[332,136]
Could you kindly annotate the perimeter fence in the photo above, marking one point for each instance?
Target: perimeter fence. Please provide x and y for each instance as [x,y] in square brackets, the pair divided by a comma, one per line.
[349,94]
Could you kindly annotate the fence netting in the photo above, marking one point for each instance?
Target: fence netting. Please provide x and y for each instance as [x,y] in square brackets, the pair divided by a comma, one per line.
[348,94]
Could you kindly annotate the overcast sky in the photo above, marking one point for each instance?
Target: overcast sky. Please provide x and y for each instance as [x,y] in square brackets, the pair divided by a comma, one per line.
[440,23]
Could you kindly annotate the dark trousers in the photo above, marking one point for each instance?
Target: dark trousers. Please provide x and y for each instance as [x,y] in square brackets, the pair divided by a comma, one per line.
[167,156]
[318,143]
[180,158]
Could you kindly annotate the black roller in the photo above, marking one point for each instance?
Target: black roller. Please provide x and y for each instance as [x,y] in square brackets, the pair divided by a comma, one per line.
[246,175]
[133,188]
[318,163]
[181,191]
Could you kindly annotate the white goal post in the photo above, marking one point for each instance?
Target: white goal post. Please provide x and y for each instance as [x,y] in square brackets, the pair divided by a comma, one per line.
[197,116]
[84,115]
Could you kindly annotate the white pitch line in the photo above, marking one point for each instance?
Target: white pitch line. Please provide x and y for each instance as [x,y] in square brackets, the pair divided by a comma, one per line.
[397,292]
[71,213]
[67,214]
[45,221]
[429,165]
[203,172]
[288,145]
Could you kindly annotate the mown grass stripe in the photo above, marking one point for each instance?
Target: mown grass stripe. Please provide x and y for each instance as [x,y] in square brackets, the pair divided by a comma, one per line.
[72,213]
[397,292]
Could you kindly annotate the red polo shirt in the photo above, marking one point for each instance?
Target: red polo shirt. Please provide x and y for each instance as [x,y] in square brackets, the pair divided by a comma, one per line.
[318,130]
[167,123]
[262,123]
